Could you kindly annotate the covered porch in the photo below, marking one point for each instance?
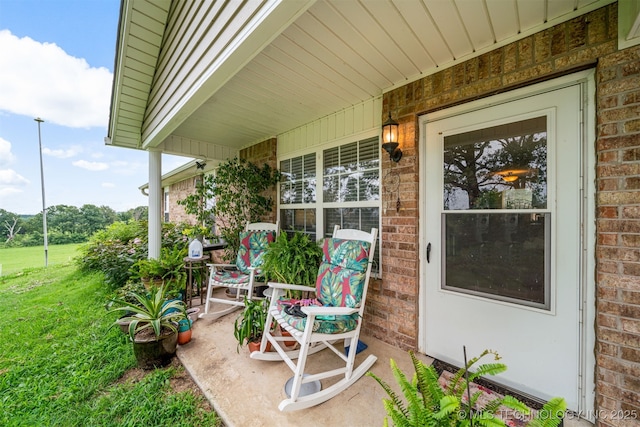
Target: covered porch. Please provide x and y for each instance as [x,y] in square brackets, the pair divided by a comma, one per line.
[244,391]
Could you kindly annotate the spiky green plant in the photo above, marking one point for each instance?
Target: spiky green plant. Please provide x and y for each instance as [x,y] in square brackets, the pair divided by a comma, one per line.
[150,311]
[428,404]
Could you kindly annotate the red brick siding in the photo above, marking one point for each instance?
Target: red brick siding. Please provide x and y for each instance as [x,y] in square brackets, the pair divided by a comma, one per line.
[567,47]
[618,239]
[579,43]
[179,191]
[260,154]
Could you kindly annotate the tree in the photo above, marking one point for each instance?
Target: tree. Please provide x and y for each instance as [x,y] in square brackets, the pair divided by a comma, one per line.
[11,225]
[478,167]
[95,218]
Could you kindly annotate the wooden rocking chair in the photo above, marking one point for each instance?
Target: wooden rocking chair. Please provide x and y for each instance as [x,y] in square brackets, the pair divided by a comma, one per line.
[334,316]
[242,275]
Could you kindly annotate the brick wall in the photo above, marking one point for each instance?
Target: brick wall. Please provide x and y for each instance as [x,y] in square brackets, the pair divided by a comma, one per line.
[618,239]
[565,48]
[584,42]
[179,191]
[260,154]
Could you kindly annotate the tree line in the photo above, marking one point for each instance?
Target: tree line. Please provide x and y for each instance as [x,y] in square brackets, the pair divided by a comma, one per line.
[65,224]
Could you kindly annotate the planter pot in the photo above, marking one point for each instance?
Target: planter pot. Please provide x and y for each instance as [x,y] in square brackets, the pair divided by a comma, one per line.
[149,282]
[258,291]
[124,325]
[255,346]
[192,314]
[152,352]
[184,331]
[289,343]
[184,337]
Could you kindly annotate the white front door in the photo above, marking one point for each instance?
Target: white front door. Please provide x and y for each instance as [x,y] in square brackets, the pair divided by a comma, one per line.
[502,263]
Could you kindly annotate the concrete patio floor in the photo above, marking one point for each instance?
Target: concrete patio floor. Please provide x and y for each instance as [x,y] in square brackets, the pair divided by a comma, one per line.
[246,392]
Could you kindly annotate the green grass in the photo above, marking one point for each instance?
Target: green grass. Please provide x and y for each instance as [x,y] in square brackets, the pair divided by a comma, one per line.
[60,361]
[13,260]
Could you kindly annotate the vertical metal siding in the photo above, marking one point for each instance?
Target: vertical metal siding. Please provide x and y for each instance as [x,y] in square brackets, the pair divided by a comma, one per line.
[359,118]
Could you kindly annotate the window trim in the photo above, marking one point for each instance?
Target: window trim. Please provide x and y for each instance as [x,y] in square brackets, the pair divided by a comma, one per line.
[319,205]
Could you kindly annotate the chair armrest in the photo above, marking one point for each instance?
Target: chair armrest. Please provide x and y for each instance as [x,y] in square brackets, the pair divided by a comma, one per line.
[291,287]
[220,265]
[328,311]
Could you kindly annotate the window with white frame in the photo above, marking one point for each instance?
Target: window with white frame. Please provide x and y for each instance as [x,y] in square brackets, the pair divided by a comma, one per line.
[166,205]
[350,193]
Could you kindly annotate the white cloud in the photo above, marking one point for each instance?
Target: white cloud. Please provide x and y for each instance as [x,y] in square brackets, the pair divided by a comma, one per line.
[6,157]
[91,166]
[124,168]
[11,182]
[108,185]
[62,153]
[41,80]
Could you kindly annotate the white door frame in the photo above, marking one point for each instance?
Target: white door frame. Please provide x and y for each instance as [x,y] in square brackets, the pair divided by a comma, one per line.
[587,245]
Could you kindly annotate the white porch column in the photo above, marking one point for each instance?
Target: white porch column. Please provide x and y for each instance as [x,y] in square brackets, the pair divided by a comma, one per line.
[155,203]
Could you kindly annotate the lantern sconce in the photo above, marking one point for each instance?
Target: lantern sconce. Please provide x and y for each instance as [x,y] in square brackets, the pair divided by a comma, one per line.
[390,139]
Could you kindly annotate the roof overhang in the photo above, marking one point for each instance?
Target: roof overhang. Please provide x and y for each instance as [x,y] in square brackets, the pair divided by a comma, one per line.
[295,61]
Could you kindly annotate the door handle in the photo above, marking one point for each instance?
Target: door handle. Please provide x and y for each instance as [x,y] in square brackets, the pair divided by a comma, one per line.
[429,252]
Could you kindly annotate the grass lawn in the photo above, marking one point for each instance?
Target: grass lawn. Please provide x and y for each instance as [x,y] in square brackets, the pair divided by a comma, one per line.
[61,364]
[13,260]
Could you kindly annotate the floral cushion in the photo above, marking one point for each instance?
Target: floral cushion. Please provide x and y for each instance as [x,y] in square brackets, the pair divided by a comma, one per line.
[230,277]
[340,283]
[252,248]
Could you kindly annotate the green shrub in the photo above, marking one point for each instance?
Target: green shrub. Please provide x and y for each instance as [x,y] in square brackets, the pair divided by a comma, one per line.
[118,247]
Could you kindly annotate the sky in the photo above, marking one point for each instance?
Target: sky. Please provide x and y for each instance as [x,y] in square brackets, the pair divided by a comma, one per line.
[56,63]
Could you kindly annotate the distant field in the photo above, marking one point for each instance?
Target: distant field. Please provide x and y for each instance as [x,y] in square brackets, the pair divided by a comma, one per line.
[13,260]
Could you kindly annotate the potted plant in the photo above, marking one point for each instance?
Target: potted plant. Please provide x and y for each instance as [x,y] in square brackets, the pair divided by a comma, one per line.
[126,293]
[249,325]
[292,259]
[243,191]
[149,271]
[152,326]
[174,274]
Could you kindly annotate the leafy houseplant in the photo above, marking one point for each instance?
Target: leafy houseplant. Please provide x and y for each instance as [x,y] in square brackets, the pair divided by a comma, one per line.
[292,259]
[152,325]
[430,404]
[174,275]
[249,325]
[243,192]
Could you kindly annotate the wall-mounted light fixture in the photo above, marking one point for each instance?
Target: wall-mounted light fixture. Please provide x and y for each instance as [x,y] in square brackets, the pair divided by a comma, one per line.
[390,139]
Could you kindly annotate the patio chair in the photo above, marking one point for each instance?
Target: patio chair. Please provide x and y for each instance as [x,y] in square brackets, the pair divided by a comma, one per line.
[334,316]
[243,275]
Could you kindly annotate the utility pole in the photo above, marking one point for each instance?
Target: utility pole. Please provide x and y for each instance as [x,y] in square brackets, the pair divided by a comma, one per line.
[44,207]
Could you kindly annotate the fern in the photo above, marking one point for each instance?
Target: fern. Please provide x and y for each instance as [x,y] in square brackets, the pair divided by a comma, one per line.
[427,404]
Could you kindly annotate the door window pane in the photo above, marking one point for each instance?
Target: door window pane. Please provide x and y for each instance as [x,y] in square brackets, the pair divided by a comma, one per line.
[500,167]
[503,256]
[500,255]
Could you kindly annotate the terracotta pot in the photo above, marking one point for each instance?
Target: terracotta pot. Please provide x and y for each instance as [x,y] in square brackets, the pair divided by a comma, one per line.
[289,343]
[255,346]
[184,337]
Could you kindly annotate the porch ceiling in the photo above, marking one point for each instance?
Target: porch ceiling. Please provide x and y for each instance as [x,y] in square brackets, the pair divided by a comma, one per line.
[335,54]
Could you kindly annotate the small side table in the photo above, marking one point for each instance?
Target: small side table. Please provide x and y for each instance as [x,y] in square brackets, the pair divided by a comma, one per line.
[197,272]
